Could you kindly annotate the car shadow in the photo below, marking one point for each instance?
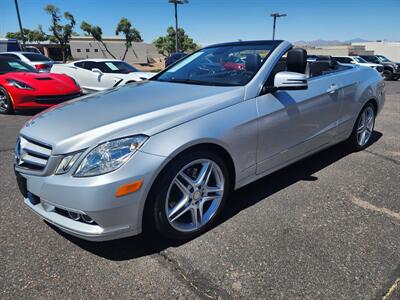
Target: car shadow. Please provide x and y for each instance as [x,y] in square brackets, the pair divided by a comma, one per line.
[29,112]
[147,244]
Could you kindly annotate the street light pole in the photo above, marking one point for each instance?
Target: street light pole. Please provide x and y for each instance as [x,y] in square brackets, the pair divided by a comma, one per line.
[176,2]
[276,15]
[20,25]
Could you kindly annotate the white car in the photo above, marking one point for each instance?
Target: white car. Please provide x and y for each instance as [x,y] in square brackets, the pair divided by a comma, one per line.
[357,60]
[38,61]
[95,75]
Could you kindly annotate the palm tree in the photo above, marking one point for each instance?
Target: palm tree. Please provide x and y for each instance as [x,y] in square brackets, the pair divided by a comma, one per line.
[131,34]
[96,33]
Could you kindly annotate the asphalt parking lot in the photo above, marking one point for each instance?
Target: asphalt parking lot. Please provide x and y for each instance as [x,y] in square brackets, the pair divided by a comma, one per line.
[327,227]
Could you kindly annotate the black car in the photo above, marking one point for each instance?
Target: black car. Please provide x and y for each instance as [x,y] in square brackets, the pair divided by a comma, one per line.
[174,57]
[391,69]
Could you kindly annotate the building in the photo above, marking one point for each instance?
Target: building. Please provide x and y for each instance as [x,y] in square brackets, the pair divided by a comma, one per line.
[389,49]
[50,49]
[83,47]
[338,50]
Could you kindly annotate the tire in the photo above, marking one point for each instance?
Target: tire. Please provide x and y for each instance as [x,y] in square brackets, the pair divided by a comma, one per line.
[387,75]
[174,215]
[6,106]
[396,77]
[362,132]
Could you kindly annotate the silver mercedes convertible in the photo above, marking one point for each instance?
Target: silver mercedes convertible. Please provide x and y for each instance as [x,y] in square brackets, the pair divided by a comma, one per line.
[166,152]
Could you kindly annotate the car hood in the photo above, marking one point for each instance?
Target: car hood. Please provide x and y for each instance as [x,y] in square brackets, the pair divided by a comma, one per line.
[136,76]
[146,107]
[47,83]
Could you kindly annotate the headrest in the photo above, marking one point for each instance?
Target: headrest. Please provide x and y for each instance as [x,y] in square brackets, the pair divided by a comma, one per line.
[253,62]
[296,60]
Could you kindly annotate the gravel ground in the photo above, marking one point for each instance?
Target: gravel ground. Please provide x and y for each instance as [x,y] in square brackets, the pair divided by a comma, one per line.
[327,227]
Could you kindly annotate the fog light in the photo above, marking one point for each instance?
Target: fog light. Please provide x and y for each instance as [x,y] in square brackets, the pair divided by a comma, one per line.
[74,216]
[87,219]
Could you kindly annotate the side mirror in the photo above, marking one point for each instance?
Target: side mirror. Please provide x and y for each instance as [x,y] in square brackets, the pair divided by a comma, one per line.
[353,62]
[290,81]
[96,70]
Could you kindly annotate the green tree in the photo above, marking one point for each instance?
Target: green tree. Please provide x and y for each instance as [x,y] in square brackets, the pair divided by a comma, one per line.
[17,34]
[166,44]
[37,35]
[62,33]
[96,33]
[131,34]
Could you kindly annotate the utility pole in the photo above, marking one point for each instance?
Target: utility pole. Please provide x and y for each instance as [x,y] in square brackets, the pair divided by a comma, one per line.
[20,25]
[176,2]
[276,15]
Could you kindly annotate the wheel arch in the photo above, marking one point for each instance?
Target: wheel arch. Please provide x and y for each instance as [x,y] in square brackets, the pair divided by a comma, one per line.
[9,94]
[210,146]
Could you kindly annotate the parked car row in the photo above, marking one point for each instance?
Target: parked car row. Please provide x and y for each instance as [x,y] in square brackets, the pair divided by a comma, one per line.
[388,69]
[30,80]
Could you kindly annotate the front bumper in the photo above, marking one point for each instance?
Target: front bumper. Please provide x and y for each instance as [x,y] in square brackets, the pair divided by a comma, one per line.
[113,217]
[31,99]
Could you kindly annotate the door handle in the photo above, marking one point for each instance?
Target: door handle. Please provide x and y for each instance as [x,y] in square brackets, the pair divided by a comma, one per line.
[332,89]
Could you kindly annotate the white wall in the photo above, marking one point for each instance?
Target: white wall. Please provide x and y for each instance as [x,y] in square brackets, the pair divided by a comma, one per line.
[389,49]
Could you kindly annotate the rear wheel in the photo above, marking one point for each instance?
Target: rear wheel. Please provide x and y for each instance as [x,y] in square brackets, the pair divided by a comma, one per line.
[189,195]
[362,132]
[6,106]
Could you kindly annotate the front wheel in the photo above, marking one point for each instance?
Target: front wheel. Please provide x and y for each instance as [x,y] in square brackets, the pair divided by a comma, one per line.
[189,195]
[387,75]
[396,77]
[362,132]
[6,106]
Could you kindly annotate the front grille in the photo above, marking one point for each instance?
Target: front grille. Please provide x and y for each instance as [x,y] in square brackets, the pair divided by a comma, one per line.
[32,155]
[55,99]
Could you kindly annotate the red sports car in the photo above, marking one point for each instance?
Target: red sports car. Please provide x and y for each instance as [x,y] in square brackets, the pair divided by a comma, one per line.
[234,63]
[23,87]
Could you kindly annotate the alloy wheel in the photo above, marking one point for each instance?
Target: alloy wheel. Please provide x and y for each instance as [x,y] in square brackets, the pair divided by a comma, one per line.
[365,126]
[194,195]
[3,101]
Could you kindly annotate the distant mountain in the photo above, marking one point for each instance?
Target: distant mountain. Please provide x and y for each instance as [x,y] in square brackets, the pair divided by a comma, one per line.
[328,42]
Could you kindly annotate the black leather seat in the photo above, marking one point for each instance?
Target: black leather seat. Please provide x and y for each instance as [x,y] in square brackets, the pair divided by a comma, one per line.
[317,68]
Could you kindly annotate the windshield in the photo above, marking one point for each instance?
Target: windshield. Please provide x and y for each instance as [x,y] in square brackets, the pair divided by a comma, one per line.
[225,65]
[360,60]
[115,67]
[36,57]
[7,66]
[382,58]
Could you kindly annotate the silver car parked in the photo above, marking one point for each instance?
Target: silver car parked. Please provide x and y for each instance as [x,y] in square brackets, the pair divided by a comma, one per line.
[165,153]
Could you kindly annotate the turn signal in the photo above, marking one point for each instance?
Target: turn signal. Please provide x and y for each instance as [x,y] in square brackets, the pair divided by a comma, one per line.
[128,188]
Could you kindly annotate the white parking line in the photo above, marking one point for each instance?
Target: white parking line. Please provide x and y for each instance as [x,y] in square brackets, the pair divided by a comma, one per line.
[367,205]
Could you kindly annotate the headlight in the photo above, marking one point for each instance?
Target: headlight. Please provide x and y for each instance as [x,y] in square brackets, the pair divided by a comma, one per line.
[19,84]
[76,83]
[67,162]
[109,156]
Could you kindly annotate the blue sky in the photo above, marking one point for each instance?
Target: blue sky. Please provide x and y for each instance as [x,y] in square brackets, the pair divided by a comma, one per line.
[212,21]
